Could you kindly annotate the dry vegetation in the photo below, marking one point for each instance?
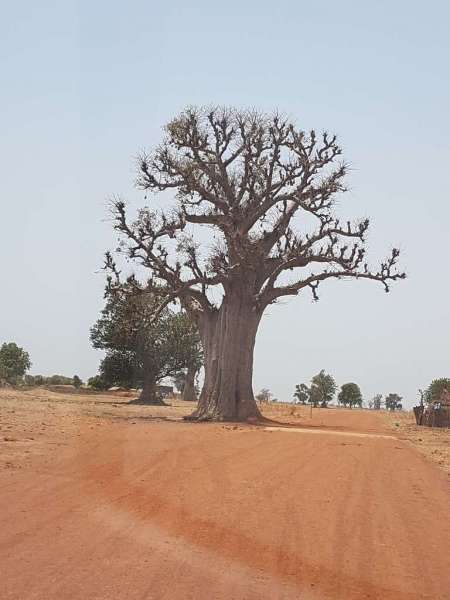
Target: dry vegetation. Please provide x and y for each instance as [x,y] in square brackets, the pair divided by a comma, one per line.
[432,442]
[35,423]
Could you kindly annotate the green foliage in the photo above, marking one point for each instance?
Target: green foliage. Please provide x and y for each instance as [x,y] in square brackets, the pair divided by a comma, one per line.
[120,369]
[142,340]
[323,389]
[58,380]
[302,393]
[434,391]
[350,395]
[97,383]
[14,363]
[393,402]
[36,380]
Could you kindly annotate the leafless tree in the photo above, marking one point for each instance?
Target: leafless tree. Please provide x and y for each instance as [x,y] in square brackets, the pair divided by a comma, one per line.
[266,192]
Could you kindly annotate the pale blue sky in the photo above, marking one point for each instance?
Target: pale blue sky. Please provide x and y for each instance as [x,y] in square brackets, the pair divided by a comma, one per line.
[85,85]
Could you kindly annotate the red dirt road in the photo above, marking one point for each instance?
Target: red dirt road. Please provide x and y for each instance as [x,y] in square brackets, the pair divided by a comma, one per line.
[152,510]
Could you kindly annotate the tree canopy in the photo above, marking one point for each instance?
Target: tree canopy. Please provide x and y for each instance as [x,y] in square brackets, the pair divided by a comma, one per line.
[120,368]
[434,391]
[393,402]
[264,395]
[350,395]
[302,393]
[143,344]
[14,362]
[323,389]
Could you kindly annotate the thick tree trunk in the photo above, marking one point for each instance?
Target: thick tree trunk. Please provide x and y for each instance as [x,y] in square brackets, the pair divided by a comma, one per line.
[228,338]
[189,393]
[149,394]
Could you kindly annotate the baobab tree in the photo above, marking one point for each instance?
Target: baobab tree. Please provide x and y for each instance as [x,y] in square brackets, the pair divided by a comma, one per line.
[265,192]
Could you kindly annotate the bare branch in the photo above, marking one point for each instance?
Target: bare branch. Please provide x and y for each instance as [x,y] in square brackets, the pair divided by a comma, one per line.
[246,176]
[385,274]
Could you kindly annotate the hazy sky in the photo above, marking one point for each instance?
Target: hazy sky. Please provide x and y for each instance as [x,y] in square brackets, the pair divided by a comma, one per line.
[86,85]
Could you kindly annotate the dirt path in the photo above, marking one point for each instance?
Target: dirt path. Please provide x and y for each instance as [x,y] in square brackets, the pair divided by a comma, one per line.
[137,509]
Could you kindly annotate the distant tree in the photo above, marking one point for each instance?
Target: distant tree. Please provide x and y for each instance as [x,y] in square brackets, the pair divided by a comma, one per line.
[264,395]
[29,379]
[14,363]
[97,383]
[434,391]
[59,380]
[39,380]
[302,393]
[376,402]
[157,343]
[77,381]
[422,397]
[393,402]
[322,390]
[350,395]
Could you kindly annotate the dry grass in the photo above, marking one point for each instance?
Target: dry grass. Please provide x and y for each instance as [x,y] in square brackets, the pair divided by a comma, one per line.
[433,442]
[35,423]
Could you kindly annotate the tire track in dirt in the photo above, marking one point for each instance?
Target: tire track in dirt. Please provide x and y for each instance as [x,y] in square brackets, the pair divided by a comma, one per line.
[159,510]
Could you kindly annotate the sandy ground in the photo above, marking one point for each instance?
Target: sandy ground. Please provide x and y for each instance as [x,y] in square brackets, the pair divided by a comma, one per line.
[102,500]
[434,442]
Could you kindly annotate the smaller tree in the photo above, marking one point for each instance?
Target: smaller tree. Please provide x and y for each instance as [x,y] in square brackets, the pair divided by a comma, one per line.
[323,389]
[376,402]
[393,402]
[77,382]
[97,383]
[14,363]
[434,391]
[157,342]
[264,395]
[302,394]
[350,395]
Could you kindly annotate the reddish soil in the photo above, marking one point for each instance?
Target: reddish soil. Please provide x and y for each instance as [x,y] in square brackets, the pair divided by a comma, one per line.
[100,500]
